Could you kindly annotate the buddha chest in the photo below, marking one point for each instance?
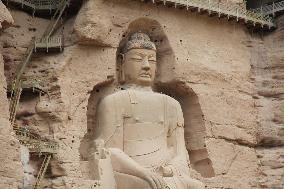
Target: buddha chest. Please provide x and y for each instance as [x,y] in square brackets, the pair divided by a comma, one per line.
[145,128]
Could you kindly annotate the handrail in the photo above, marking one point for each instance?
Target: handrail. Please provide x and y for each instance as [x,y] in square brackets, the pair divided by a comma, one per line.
[16,86]
[49,40]
[42,171]
[270,9]
[227,8]
[38,4]
[34,143]
[55,19]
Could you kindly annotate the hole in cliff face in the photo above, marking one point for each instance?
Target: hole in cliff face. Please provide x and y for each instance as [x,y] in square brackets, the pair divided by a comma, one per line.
[194,125]
[29,94]
[32,29]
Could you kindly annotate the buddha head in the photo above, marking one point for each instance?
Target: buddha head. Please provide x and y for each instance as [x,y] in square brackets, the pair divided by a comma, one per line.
[138,64]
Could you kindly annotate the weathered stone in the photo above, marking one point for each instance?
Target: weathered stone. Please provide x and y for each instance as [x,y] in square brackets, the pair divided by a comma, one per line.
[269,71]
[11,169]
[228,82]
[6,19]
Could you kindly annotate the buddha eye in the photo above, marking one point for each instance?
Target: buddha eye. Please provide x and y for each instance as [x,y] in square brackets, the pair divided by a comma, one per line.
[152,59]
[136,58]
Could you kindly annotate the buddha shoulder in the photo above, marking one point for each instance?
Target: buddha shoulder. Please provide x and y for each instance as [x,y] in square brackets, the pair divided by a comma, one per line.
[114,97]
[121,97]
[170,100]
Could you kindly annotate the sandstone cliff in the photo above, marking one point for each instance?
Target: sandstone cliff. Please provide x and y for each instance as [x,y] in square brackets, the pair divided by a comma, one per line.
[267,62]
[11,170]
[228,81]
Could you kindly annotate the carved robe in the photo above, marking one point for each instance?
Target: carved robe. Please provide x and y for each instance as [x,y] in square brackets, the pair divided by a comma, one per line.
[145,125]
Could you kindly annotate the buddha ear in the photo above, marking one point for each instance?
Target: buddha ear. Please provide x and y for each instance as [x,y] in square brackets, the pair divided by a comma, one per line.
[121,57]
[121,76]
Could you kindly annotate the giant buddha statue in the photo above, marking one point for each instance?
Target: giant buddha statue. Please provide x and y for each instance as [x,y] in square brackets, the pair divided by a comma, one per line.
[143,130]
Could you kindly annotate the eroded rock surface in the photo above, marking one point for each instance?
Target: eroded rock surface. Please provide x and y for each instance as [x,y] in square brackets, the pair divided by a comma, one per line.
[268,71]
[11,171]
[6,19]
[234,82]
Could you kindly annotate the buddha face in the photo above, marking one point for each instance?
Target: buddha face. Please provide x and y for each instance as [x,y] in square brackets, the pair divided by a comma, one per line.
[140,66]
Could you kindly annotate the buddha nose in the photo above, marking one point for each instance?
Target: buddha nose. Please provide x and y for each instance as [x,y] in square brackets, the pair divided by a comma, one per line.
[145,64]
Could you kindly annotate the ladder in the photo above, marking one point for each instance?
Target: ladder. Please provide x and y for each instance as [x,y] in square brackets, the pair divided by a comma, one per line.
[15,98]
[46,41]
[42,170]
[55,18]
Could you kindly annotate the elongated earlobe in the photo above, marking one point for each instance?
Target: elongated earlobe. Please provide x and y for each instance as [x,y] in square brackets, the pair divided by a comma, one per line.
[121,76]
[121,57]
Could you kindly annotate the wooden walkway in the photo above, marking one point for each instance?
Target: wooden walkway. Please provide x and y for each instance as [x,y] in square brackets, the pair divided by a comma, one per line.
[220,9]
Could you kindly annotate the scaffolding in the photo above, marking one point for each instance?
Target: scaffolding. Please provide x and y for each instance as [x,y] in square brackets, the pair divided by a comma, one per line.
[46,42]
[37,5]
[271,9]
[223,9]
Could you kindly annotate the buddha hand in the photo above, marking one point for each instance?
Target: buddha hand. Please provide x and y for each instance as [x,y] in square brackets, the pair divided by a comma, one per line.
[155,180]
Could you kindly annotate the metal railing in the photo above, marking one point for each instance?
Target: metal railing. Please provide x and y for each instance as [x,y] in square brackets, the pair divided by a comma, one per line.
[270,9]
[42,171]
[34,143]
[41,147]
[223,9]
[16,86]
[33,83]
[38,4]
[49,42]
[25,137]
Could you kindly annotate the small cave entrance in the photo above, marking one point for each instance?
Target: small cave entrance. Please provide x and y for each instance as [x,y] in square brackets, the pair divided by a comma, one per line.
[194,125]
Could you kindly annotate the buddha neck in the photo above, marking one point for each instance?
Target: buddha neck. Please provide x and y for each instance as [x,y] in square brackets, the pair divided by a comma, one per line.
[136,87]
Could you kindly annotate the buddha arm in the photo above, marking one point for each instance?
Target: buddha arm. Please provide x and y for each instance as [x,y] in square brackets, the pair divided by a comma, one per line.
[109,120]
[179,162]
[122,163]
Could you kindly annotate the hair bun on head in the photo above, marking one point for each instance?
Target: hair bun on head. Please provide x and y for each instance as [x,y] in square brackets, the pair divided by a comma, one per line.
[139,40]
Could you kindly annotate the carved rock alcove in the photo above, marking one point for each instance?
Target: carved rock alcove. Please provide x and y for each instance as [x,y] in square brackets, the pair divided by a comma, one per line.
[195,132]
[164,83]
